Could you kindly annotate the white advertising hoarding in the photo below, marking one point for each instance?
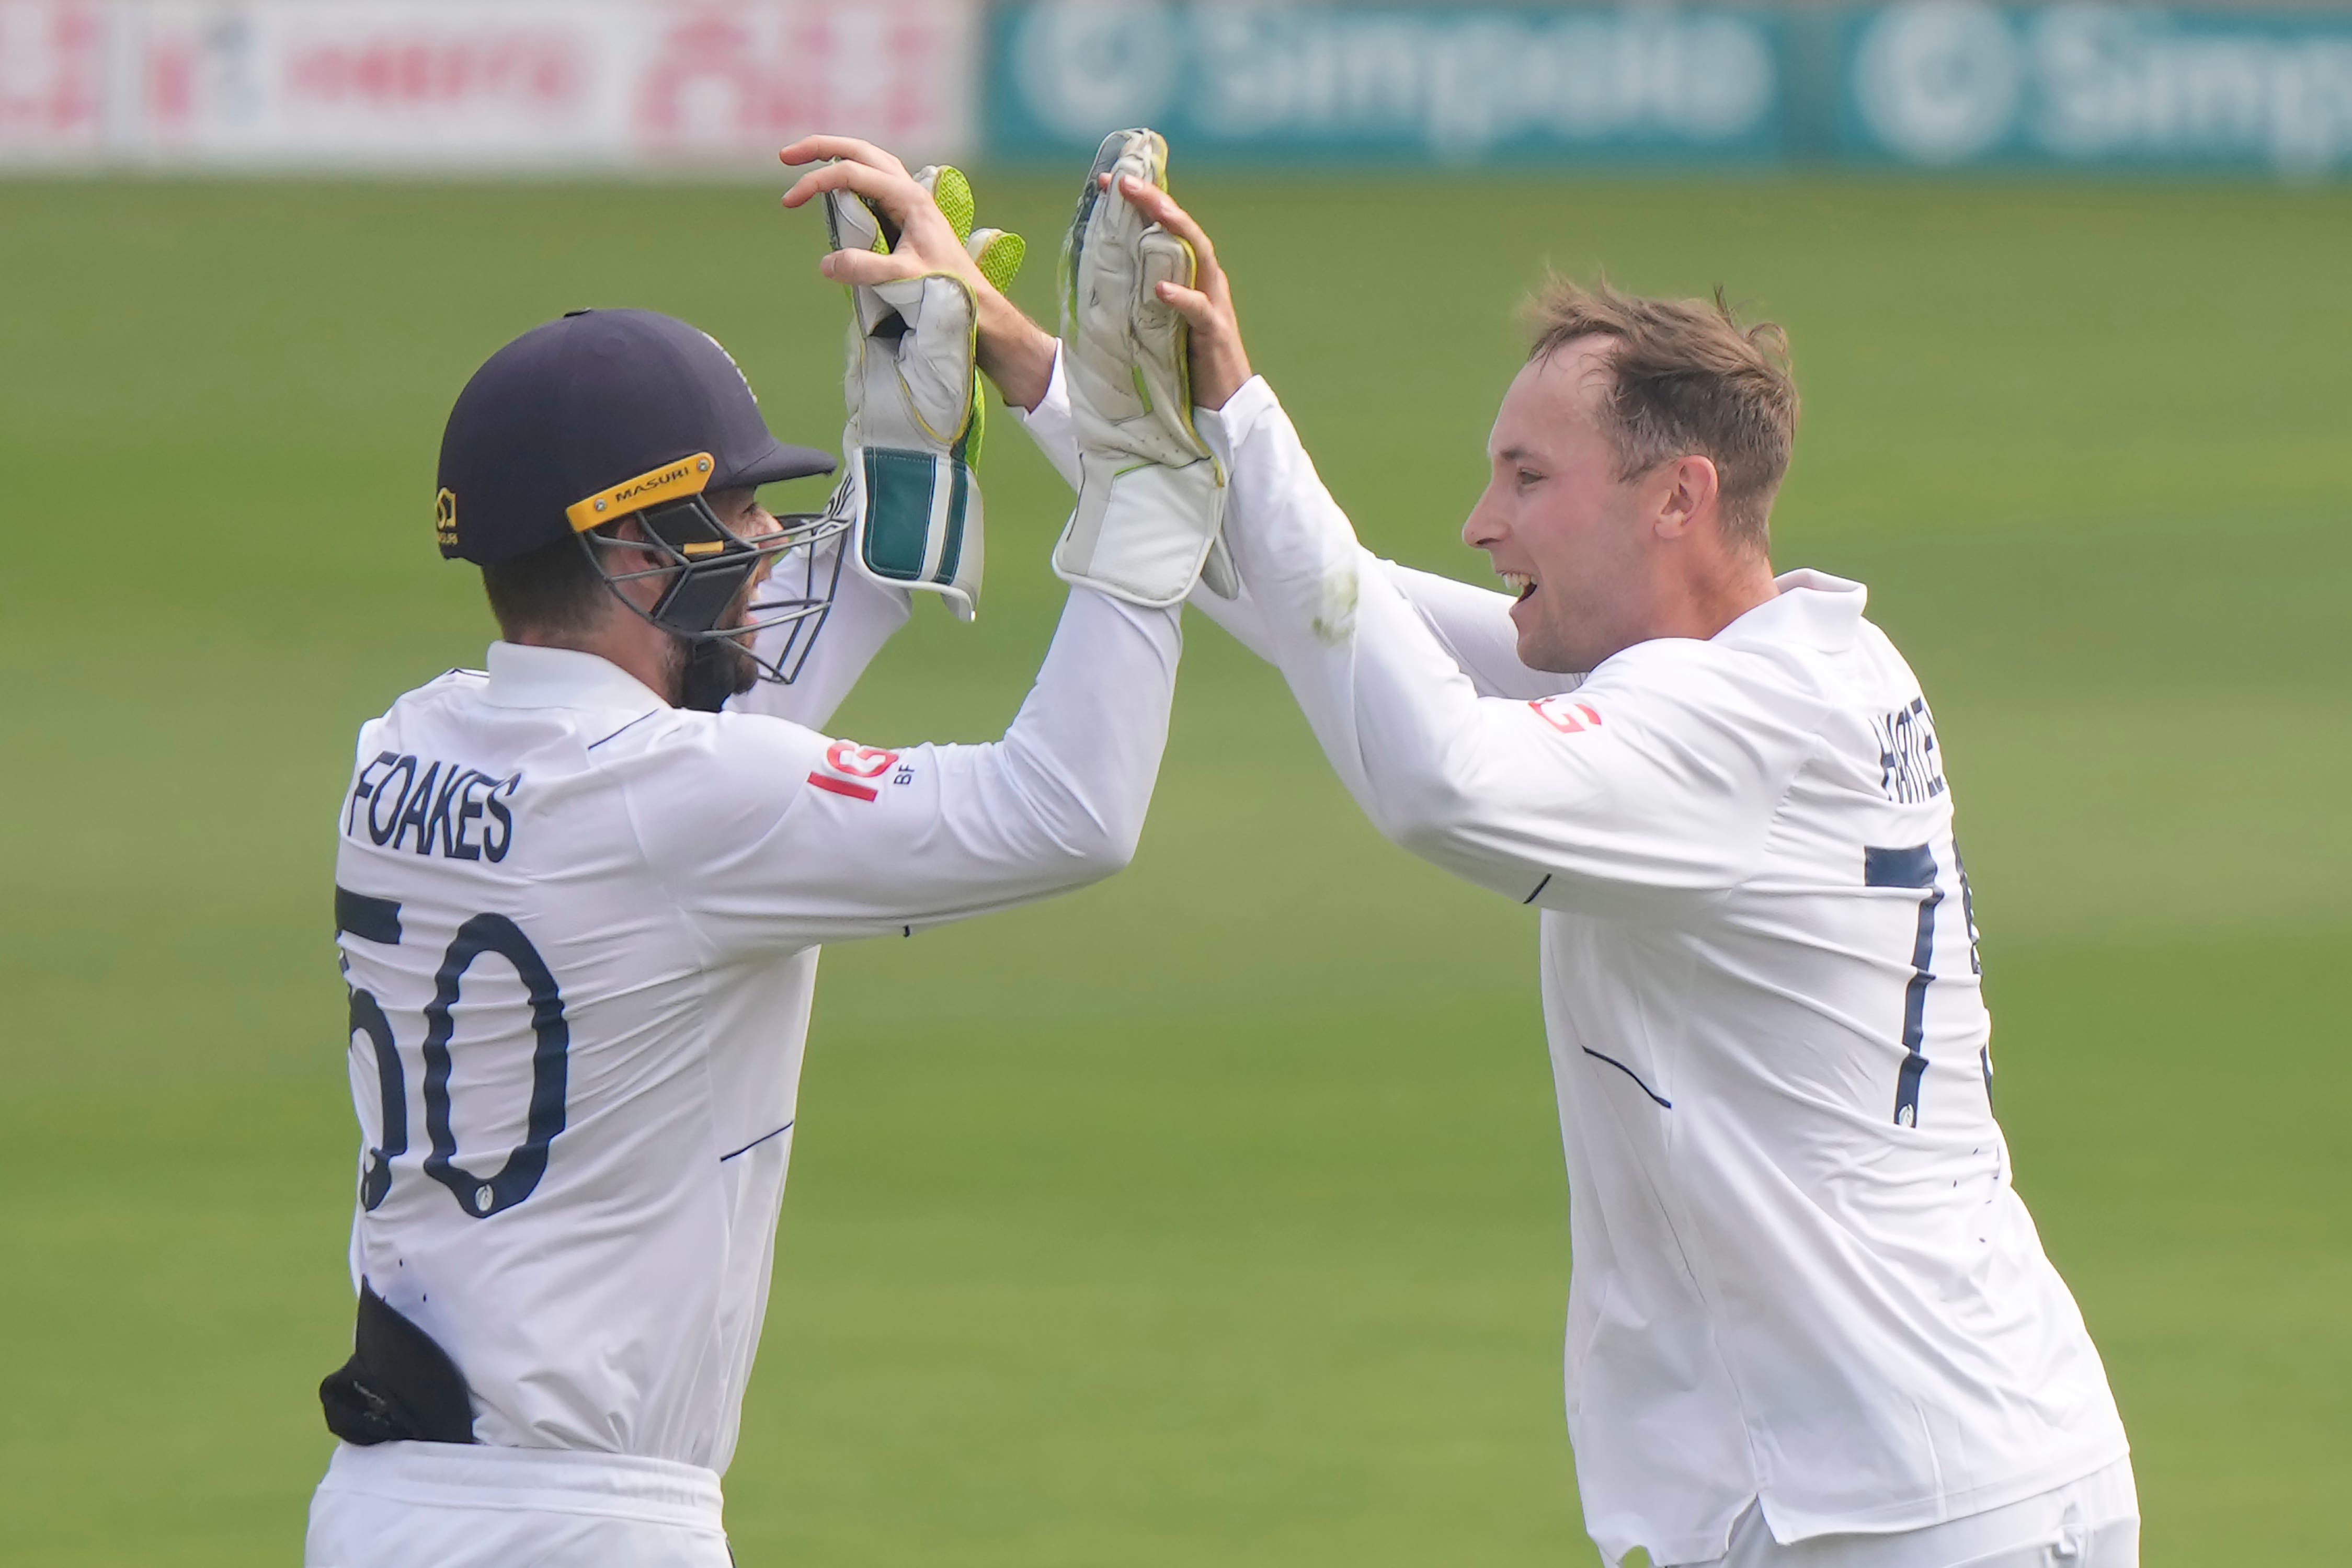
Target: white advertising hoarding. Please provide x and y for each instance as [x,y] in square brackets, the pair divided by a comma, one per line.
[450,84]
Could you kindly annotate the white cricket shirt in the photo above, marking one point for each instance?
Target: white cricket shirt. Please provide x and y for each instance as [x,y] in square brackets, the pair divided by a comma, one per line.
[581,931]
[1801,1276]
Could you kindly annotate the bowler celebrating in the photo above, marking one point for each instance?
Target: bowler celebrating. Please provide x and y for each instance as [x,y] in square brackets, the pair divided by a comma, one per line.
[1810,1322]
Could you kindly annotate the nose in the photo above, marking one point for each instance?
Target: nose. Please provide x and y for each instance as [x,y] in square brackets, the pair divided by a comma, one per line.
[1484,527]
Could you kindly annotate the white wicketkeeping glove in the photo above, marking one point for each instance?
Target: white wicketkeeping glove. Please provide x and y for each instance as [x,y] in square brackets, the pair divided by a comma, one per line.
[914,412]
[1152,496]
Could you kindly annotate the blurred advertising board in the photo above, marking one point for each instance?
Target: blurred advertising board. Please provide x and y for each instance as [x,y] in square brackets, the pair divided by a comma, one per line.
[1431,84]
[521,84]
[1943,83]
[1927,84]
[455,84]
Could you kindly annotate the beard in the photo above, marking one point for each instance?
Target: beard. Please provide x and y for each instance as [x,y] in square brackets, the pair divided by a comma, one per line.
[707,671]
[712,671]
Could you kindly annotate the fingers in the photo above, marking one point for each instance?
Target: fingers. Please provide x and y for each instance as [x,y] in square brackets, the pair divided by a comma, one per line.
[811,149]
[868,267]
[1220,364]
[895,194]
[801,190]
[1161,207]
[1195,307]
[919,238]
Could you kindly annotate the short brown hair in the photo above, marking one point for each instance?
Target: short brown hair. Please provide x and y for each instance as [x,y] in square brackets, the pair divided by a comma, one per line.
[1688,377]
[553,590]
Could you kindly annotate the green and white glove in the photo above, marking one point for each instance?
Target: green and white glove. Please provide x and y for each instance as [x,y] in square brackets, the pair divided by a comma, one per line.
[914,412]
[1151,496]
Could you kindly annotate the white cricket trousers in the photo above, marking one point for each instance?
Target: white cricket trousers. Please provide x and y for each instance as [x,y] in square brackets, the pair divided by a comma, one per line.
[2090,1523]
[449,1505]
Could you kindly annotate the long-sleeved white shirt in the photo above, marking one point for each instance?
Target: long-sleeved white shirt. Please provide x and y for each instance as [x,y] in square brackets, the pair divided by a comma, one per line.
[1801,1275]
[581,931]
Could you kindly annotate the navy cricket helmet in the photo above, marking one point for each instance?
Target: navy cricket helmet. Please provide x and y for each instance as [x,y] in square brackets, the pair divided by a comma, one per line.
[607,414]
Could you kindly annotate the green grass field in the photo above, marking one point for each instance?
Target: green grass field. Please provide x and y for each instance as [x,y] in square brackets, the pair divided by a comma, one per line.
[1215,1215]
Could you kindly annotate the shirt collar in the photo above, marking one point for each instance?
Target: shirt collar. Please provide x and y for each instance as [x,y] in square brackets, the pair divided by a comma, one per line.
[525,676]
[1810,607]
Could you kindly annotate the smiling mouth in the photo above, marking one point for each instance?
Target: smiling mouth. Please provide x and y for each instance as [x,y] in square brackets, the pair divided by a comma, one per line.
[1521,585]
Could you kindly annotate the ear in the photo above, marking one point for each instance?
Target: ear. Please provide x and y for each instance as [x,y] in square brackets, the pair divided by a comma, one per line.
[1685,494]
[645,593]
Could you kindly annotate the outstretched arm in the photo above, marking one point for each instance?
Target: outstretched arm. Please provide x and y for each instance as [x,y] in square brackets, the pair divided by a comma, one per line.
[1651,783]
[1638,788]
[1473,623]
[803,838]
[816,839]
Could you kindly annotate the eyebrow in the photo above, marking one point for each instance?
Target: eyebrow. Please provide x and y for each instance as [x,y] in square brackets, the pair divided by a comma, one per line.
[1515,453]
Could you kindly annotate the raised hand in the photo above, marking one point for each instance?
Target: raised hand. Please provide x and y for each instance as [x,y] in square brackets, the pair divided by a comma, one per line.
[919,237]
[1221,365]
[1150,492]
[916,270]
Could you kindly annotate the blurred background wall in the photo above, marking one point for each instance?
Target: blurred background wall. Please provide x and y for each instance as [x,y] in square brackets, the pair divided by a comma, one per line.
[611,84]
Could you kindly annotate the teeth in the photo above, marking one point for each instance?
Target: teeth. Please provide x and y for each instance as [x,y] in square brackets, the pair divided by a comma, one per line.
[1519,583]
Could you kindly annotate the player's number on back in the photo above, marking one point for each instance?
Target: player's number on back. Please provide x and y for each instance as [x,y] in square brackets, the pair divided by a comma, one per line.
[1915,866]
[481,1196]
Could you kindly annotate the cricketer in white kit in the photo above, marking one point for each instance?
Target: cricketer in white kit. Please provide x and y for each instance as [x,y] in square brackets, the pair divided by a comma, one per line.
[580,914]
[1810,1322]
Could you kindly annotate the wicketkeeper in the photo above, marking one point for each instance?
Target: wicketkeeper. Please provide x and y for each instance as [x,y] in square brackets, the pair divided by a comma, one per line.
[580,895]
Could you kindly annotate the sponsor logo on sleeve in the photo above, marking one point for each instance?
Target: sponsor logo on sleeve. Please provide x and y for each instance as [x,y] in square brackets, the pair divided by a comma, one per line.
[1566,715]
[850,769]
